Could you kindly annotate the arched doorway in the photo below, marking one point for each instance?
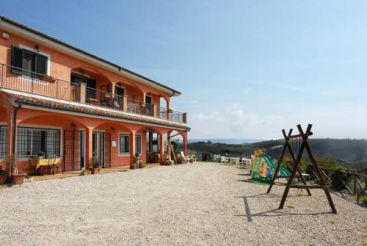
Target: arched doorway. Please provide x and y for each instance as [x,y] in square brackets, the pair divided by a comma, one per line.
[52,136]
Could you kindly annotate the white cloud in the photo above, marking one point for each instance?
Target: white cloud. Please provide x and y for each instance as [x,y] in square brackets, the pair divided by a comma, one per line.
[234,121]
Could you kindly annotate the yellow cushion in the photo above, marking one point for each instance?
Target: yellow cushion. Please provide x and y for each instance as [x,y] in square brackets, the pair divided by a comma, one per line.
[48,162]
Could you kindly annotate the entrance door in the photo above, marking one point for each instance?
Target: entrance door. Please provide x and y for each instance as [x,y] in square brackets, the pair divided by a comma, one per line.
[73,150]
[91,88]
[98,146]
[119,96]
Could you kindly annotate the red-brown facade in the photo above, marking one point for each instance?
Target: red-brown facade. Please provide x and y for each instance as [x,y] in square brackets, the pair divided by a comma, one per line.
[60,101]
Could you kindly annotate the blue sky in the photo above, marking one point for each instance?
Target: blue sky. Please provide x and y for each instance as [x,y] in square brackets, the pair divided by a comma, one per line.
[247,69]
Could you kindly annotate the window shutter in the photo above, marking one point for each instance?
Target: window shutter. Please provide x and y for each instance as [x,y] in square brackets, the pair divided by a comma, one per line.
[41,64]
[16,60]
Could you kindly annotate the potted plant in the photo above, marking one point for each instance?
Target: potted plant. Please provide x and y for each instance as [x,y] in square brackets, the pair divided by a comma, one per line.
[3,176]
[40,155]
[95,165]
[47,78]
[180,159]
[133,165]
[138,161]
[155,157]
[16,177]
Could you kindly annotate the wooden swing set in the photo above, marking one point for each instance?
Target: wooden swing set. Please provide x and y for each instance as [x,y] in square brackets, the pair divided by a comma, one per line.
[172,152]
[299,142]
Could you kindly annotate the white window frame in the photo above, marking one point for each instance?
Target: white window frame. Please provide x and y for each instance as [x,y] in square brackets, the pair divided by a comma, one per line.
[119,144]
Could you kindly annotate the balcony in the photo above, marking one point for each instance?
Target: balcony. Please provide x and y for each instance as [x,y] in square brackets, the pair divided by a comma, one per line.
[26,81]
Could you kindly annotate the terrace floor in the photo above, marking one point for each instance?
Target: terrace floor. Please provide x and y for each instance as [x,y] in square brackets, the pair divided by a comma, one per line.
[193,204]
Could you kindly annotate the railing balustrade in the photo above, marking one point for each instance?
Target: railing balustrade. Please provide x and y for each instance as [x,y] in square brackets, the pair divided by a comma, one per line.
[172,115]
[39,84]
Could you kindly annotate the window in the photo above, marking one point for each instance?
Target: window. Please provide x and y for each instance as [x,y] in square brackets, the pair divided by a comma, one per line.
[138,144]
[3,142]
[148,100]
[119,90]
[77,79]
[28,63]
[34,141]
[124,146]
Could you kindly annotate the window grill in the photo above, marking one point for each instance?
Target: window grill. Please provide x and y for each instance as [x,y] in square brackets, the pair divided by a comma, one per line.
[3,141]
[38,141]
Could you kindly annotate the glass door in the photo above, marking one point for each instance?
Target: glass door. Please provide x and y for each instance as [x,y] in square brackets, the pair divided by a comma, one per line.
[98,147]
[119,96]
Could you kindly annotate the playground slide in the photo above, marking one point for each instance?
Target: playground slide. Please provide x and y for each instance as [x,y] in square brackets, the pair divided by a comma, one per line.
[282,171]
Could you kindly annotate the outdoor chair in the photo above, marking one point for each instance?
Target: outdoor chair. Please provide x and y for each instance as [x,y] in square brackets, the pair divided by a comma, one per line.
[185,159]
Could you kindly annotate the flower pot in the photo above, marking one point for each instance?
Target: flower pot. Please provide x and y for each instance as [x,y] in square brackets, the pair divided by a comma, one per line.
[95,170]
[47,79]
[17,179]
[133,166]
[3,178]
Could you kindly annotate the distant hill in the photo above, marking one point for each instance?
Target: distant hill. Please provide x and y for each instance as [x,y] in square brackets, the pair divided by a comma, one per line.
[348,152]
[227,140]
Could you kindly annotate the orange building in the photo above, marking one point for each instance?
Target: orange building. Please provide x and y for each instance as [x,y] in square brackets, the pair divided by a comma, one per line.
[59,101]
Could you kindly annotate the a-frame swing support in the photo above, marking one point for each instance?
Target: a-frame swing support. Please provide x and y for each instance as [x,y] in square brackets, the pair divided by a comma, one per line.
[288,147]
[296,167]
[172,152]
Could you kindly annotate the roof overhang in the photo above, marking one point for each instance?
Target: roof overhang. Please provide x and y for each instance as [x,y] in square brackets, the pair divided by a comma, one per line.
[43,39]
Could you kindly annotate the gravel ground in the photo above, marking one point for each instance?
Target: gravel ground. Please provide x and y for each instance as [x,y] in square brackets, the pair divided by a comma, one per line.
[194,204]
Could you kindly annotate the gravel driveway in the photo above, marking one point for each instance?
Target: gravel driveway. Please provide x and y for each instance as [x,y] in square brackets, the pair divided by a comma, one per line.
[194,204]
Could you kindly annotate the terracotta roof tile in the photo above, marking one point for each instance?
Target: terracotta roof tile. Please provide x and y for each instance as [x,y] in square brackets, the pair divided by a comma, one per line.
[59,104]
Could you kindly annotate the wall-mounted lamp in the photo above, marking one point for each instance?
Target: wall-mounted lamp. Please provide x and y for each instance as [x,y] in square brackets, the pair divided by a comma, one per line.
[5,35]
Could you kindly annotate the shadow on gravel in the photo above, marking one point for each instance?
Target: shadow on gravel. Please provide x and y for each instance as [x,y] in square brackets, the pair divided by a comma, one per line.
[270,213]
[252,181]
[244,174]
[265,195]
[348,197]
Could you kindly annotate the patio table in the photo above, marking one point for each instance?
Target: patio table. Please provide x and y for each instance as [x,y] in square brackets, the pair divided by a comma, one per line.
[50,163]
